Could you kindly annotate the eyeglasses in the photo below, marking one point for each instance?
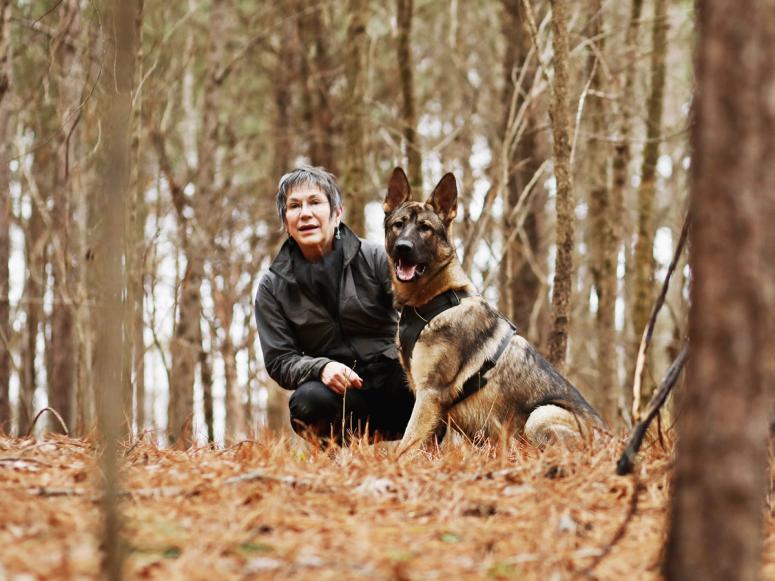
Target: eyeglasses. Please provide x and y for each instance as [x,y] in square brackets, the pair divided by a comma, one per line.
[313,205]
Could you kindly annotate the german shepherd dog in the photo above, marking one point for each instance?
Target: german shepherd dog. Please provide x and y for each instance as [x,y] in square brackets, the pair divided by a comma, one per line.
[465,363]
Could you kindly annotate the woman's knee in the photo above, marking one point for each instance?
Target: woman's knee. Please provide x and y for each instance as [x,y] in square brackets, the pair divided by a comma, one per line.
[313,407]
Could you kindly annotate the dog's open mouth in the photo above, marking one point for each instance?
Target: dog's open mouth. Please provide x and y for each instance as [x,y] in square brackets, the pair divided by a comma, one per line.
[408,271]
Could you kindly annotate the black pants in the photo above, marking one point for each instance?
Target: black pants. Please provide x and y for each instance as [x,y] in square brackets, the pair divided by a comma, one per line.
[383,406]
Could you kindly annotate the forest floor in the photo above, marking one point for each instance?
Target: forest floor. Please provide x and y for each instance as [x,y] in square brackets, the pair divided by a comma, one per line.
[271,509]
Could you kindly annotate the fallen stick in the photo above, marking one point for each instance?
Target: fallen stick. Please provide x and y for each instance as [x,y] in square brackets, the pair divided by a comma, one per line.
[55,414]
[645,340]
[627,459]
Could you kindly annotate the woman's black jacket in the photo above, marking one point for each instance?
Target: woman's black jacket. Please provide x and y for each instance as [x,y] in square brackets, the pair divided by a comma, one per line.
[298,334]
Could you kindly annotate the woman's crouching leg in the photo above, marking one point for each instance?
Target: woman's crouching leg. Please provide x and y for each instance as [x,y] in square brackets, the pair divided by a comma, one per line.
[317,412]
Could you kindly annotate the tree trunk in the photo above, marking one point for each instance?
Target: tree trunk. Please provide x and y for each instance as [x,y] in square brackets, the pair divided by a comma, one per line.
[224,308]
[644,244]
[722,470]
[236,409]
[5,220]
[36,241]
[406,73]
[278,416]
[134,374]
[185,349]
[5,253]
[206,381]
[277,399]
[289,52]
[605,215]
[354,178]
[324,116]
[109,262]
[62,357]
[282,90]
[316,70]
[138,355]
[85,388]
[196,235]
[622,155]
[520,285]
[561,128]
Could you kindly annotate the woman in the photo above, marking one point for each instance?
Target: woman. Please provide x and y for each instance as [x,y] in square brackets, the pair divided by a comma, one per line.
[326,319]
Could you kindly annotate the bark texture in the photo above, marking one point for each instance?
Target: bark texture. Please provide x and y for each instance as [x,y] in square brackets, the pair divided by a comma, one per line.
[206,381]
[236,425]
[354,179]
[721,475]
[622,155]
[521,283]
[622,149]
[134,375]
[62,356]
[110,267]
[5,220]
[316,73]
[644,290]
[561,129]
[36,243]
[196,235]
[605,216]
[405,9]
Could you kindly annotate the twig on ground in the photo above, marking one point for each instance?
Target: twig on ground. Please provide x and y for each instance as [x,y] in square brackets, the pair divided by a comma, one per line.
[627,459]
[51,492]
[56,415]
[134,445]
[649,330]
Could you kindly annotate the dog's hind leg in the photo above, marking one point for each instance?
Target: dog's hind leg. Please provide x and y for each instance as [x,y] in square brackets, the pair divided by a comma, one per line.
[551,423]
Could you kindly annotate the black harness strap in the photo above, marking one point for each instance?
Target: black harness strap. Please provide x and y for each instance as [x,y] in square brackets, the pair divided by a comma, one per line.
[477,381]
[413,321]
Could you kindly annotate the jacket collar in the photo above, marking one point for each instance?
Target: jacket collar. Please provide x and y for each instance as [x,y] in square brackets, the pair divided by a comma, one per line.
[282,265]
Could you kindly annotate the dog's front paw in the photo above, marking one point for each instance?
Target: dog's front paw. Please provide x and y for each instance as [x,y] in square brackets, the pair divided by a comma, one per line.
[407,446]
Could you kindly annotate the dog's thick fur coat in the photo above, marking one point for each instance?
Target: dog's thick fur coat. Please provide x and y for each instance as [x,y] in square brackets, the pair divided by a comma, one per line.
[523,395]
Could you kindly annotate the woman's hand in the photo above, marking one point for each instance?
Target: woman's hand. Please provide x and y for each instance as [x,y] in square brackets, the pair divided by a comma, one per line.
[339,377]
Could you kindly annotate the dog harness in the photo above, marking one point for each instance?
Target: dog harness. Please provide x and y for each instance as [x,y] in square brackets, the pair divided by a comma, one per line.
[414,319]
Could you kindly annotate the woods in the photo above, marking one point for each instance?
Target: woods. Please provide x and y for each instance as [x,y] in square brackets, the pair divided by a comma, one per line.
[227,97]
[141,148]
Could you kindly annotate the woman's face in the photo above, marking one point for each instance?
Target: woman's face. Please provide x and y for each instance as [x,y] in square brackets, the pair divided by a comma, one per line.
[309,222]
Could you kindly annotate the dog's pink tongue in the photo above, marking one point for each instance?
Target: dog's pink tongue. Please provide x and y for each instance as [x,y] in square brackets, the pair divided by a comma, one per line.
[405,271]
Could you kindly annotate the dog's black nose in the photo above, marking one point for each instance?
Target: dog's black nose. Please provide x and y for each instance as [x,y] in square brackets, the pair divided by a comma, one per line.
[404,246]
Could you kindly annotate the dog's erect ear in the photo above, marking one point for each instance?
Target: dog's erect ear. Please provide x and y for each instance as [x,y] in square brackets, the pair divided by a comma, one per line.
[398,191]
[444,199]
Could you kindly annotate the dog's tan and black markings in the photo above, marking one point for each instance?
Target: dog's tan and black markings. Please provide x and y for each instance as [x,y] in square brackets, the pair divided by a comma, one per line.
[521,393]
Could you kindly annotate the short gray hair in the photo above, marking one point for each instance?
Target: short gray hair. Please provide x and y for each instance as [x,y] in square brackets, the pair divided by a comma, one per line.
[307,175]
